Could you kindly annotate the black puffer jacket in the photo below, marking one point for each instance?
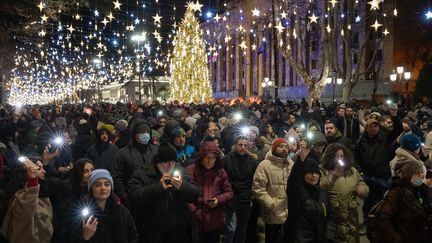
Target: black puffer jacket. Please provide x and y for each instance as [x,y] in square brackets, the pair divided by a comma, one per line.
[162,215]
[129,159]
[240,170]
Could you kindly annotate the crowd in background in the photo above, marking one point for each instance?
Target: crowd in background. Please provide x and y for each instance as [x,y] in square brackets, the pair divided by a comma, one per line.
[216,172]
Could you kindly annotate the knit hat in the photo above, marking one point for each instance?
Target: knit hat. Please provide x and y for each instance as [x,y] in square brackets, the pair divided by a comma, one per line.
[165,153]
[405,167]
[155,134]
[411,142]
[277,142]
[2,145]
[99,174]
[208,148]
[310,165]
[107,127]
[82,121]
[60,122]
[371,121]
[254,129]
[121,125]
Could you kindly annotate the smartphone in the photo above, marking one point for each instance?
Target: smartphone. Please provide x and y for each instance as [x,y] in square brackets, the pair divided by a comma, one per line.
[168,181]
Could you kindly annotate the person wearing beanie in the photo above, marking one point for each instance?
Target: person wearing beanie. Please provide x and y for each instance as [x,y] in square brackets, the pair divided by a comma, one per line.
[308,208]
[175,135]
[405,204]
[159,194]
[130,158]
[105,213]
[269,186]
[240,167]
[410,147]
[103,152]
[122,133]
[208,174]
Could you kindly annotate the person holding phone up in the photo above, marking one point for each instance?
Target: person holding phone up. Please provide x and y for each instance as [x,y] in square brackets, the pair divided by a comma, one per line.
[216,191]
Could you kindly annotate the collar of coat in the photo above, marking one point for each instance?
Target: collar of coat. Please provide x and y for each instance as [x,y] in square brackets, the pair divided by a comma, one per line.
[278,160]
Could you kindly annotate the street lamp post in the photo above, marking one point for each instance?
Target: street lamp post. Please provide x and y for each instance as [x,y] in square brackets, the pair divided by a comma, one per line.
[138,39]
[401,77]
[333,80]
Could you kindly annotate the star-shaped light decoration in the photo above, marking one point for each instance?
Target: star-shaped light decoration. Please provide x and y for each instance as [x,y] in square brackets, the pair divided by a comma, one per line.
[117,5]
[313,18]
[357,19]
[328,28]
[130,27]
[254,47]
[105,21]
[77,17]
[110,16]
[42,33]
[157,18]
[395,12]
[385,32]
[44,18]
[217,18]
[284,15]
[41,6]
[279,27]
[174,25]
[428,14]
[71,29]
[374,4]
[196,6]
[99,55]
[243,45]
[255,12]
[155,33]
[376,25]
[333,2]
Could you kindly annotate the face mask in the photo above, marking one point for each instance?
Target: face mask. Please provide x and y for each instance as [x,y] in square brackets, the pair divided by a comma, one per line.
[417,182]
[143,138]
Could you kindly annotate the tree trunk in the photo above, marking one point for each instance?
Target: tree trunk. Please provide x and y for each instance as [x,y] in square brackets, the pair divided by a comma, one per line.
[346,91]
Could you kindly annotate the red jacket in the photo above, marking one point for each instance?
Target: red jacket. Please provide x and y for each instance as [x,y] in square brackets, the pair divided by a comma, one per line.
[214,183]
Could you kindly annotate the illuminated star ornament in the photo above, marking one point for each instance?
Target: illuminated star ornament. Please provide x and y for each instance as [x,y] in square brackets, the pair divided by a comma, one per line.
[429,14]
[217,18]
[197,6]
[71,29]
[376,25]
[313,18]
[255,12]
[333,2]
[44,18]
[41,6]
[385,32]
[243,45]
[374,4]
[279,27]
[157,18]
[117,5]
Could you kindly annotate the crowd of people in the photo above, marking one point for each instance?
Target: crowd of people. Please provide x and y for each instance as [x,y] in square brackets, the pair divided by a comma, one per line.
[216,172]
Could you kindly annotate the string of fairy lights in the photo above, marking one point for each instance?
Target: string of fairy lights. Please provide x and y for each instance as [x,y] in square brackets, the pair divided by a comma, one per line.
[85,48]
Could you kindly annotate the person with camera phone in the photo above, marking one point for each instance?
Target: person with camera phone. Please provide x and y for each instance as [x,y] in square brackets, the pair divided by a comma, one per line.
[106,219]
[158,197]
[207,172]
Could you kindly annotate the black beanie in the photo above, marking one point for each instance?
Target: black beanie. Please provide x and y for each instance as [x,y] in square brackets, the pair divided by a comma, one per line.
[310,165]
[165,153]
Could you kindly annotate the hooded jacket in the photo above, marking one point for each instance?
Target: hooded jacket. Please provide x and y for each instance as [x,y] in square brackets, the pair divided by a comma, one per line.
[214,183]
[129,159]
[401,155]
[102,154]
[269,186]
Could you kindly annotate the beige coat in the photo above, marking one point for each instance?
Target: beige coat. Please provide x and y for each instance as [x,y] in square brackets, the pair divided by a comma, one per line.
[401,153]
[269,188]
[29,218]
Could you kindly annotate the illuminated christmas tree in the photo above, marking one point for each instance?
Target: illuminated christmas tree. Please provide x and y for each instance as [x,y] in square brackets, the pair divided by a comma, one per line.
[189,71]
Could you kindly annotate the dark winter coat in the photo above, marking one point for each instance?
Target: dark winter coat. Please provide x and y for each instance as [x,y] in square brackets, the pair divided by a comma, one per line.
[115,224]
[340,138]
[162,216]
[214,183]
[405,214]
[240,170]
[128,160]
[123,140]
[373,154]
[102,159]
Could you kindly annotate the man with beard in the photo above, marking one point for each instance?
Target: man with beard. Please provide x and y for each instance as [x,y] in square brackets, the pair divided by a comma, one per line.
[269,185]
[138,153]
[334,135]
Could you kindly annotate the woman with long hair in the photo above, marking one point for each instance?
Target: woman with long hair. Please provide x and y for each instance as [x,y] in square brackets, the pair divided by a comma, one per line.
[109,220]
[344,185]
